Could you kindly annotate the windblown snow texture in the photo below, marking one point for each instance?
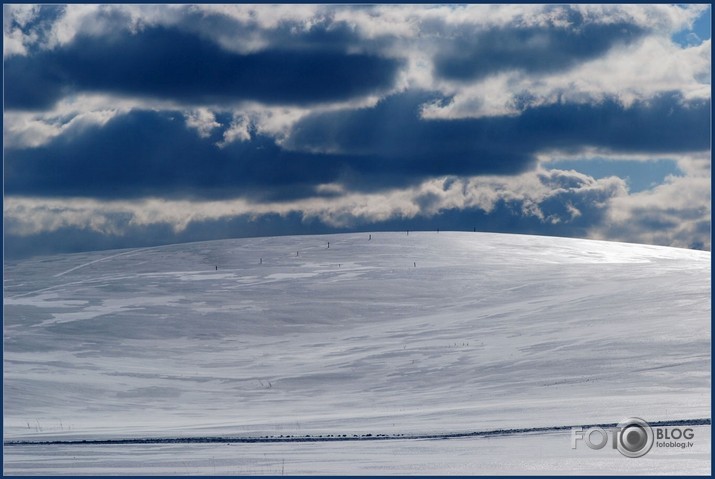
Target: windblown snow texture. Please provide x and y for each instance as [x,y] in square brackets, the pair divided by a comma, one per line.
[486,332]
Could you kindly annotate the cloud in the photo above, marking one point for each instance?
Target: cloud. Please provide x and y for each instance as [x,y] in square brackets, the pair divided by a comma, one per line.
[366,50]
[474,55]
[394,132]
[618,74]
[170,64]
[538,196]
[543,201]
[25,130]
[203,121]
[251,24]
[166,122]
[148,153]
[239,130]
[157,153]
[675,213]
[27,28]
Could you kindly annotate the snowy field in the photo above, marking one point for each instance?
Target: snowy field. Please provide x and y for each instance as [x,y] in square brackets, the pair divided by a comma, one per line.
[426,333]
[526,454]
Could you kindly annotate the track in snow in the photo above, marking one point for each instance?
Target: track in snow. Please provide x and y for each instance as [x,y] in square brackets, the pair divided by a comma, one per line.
[105,258]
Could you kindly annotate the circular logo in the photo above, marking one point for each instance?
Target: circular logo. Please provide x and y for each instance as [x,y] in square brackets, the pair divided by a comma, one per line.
[634,437]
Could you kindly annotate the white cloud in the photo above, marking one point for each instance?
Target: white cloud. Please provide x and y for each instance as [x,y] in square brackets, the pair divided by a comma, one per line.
[31,130]
[202,120]
[76,19]
[675,213]
[15,18]
[239,130]
[22,130]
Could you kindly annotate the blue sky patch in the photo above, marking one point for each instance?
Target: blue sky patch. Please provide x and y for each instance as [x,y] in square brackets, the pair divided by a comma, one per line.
[699,32]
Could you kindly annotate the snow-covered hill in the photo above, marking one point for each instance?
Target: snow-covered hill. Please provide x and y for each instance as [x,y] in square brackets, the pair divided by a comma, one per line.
[402,333]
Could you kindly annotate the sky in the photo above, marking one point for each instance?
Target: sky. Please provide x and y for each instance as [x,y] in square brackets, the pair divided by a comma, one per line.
[139,125]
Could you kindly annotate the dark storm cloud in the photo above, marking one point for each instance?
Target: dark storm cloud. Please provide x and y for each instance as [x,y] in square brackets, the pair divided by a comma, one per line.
[171,64]
[218,69]
[147,153]
[393,142]
[666,123]
[394,132]
[155,154]
[475,54]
